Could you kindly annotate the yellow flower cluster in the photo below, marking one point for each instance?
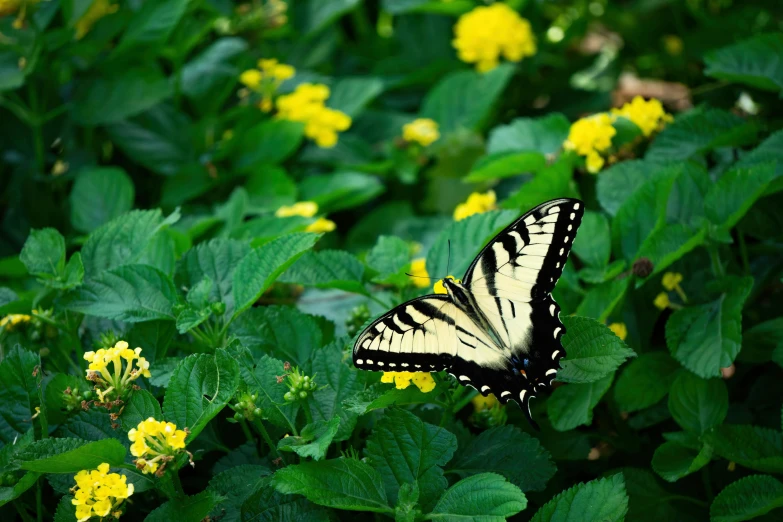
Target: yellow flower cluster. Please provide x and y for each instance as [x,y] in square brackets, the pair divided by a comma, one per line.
[423,131]
[10,321]
[649,116]
[620,330]
[419,275]
[481,403]
[670,282]
[114,382]
[475,204]
[266,79]
[307,209]
[99,493]
[402,380]
[485,34]
[306,105]
[438,287]
[590,136]
[155,442]
[97,10]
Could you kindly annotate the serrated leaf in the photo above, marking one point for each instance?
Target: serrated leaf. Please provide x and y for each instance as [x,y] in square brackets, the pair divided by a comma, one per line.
[236,485]
[551,182]
[154,338]
[389,257]
[599,302]
[186,509]
[505,164]
[267,505]
[18,392]
[572,405]
[706,338]
[673,461]
[268,143]
[70,455]
[647,500]
[132,293]
[43,253]
[341,190]
[592,351]
[261,267]
[99,195]
[735,192]
[545,135]
[152,23]
[486,497]
[338,382]
[754,62]
[339,483]
[600,500]
[327,269]
[25,482]
[352,94]
[314,439]
[509,452]
[91,425]
[380,396]
[754,447]
[645,381]
[404,449]
[616,184]
[199,388]
[141,406]
[668,244]
[747,498]
[593,244]
[698,404]
[467,237]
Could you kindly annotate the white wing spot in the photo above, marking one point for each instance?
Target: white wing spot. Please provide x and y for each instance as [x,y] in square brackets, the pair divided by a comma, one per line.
[570,227]
[550,372]
[393,365]
[522,395]
[554,210]
[557,265]
[464,378]
[380,363]
[369,361]
[576,206]
[554,354]
[359,361]
[561,251]
[417,365]
[405,365]
[552,310]
[505,393]
[573,215]
[484,389]
[566,239]
[557,331]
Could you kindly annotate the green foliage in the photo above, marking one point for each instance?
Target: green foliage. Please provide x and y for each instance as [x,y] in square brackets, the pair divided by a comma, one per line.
[152,192]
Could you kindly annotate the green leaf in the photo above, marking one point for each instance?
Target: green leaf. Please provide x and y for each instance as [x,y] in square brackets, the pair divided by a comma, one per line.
[18,392]
[545,135]
[553,181]
[751,446]
[486,497]
[43,253]
[11,76]
[747,498]
[754,62]
[341,190]
[698,404]
[152,23]
[327,269]
[672,461]
[317,15]
[404,449]
[99,195]
[352,94]
[342,483]
[199,388]
[268,505]
[91,425]
[645,381]
[389,257]
[617,183]
[593,351]
[700,131]
[262,266]
[212,69]
[572,405]
[186,509]
[464,99]
[509,452]
[601,300]
[123,240]
[153,337]
[268,143]
[593,244]
[768,151]
[707,337]
[70,455]
[467,237]
[281,331]
[731,197]
[66,511]
[648,501]
[505,164]
[141,406]
[337,382]
[668,244]
[314,439]
[131,293]
[604,274]
[600,500]
[7,494]
[111,97]
[381,396]
[261,378]
[237,485]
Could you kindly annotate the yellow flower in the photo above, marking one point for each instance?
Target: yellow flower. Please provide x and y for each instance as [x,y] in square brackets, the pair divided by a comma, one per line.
[252,78]
[481,403]
[98,493]
[155,442]
[306,105]
[321,225]
[420,277]
[402,380]
[278,71]
[662,301]
[620,330]
[673,44]
[97,10]
[594,162]
[10,321]
[649,116]
[476,204]
[266,79]
[112,383]
[589,136]
[423,131]
[438,287]
[671,280]
[485,34]
[303,208]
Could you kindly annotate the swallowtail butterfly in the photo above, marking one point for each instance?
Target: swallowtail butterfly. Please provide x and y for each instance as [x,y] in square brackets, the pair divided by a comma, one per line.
[499,330]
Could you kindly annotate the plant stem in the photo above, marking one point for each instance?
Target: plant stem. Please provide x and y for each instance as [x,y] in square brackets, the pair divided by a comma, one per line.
[22,511]
[705,478]
[258,423]
[743,252]
[308,412]
[39,499]
[174,474]
[246,431]
[717,265]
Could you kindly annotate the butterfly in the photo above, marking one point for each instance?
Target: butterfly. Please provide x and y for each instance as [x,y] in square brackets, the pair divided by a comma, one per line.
[499,330]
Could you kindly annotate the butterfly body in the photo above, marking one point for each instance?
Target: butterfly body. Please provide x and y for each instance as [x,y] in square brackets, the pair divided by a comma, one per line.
[498,330]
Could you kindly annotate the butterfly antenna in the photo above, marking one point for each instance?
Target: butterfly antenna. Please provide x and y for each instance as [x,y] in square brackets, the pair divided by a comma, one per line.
[448,259]
[412,275]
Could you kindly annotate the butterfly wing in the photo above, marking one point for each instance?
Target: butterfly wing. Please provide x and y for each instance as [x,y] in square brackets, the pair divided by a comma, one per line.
[512,279]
